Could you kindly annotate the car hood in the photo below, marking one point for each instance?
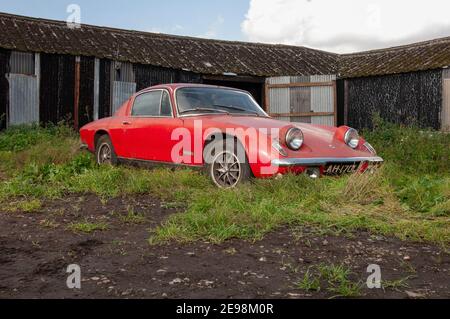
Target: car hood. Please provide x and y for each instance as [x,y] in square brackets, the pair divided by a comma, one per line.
[265,123]
[319,140]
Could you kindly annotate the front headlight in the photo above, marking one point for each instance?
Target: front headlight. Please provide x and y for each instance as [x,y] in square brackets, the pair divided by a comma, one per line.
[294,138]
[352,138]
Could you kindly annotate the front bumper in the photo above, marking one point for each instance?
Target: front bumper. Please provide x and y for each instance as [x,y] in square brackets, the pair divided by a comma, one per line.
[324,161]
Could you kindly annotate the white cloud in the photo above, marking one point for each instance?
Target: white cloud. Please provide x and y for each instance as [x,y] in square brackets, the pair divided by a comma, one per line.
[346,25]
[213,28]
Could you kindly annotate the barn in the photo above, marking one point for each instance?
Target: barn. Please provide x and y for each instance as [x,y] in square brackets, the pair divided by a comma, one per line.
[50,72]
[407,85]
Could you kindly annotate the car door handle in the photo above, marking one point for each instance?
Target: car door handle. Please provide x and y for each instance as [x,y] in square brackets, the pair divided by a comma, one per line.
[126,123]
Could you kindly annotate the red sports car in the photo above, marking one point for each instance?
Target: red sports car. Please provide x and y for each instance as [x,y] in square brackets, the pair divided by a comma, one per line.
[225,131]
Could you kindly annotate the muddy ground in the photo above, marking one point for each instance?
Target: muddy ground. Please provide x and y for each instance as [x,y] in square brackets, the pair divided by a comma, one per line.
[119,262]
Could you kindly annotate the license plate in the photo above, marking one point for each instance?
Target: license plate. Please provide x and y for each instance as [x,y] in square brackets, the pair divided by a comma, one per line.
[341,169]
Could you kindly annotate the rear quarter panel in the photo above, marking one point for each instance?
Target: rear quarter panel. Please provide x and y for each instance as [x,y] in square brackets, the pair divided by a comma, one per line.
[111,126]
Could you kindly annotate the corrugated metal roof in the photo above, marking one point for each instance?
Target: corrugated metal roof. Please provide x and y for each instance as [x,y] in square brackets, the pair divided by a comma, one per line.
[421,56]
[214,57]
[193,54]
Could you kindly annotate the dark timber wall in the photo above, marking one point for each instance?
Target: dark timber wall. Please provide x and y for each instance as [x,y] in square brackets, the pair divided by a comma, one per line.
[409,99]
[104,105]
[147,76]
[57,88]
[4,87]
[86,102]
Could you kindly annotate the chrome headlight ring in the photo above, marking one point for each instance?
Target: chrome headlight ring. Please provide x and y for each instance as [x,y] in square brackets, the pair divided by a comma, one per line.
[352,138]
[294,138]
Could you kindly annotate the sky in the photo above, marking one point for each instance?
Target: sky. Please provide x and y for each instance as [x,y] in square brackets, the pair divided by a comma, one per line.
[337,26]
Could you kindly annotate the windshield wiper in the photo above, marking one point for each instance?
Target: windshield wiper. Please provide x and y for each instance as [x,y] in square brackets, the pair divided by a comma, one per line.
[204,109]
[231,107]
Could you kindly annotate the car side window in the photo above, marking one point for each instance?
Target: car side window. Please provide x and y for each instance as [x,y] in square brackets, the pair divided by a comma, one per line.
[147,104]
[166,107]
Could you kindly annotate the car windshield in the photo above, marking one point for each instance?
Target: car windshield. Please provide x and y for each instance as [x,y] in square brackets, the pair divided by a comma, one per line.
[216,100]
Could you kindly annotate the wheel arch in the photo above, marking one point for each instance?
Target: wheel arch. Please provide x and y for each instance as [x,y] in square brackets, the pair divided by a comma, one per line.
[98,135]
[212,137]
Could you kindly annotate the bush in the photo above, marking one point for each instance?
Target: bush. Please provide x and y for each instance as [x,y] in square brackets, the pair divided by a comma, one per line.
[412,150]
[18,138]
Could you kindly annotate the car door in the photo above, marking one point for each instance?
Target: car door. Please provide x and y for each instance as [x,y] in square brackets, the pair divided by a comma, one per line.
[150,126]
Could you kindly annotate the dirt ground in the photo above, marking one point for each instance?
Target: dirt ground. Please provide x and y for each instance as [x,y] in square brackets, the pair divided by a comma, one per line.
[119,262]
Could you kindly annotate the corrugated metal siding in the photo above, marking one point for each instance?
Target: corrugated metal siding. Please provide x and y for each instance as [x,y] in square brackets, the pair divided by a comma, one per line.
[323,120]
[322,100]
[280,98]
[300,99]
[96,88]
[22,63]
[123,72]
[122,91]
[445,117]
[23,99]
[446,74]
[4,87]
[303,99]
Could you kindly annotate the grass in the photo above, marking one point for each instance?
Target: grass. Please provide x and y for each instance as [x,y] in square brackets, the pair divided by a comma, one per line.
[334,278]
[395,284]
[49,224]
[309,283]
[87,227]
[132,217]
[24,206]
[408,198]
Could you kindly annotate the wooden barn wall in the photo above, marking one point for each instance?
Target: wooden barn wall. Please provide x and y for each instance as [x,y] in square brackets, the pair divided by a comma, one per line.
[4,87]
[104,105]
[86,101]
[57,88]
[409,99]
[147,76]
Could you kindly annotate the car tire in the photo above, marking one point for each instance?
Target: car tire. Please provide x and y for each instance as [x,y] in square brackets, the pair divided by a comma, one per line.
[226,163]
[104,151]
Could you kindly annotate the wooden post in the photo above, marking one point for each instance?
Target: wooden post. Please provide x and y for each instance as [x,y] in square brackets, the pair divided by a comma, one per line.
[335,103]
[96,89]
[37,73]
[346,102]
[266,98]
[77,93]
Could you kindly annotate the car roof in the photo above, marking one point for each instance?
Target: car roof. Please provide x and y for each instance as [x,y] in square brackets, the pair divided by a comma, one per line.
[174,86]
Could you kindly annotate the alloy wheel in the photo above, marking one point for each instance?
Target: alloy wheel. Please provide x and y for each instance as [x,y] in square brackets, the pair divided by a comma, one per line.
[226,170]
[104,154]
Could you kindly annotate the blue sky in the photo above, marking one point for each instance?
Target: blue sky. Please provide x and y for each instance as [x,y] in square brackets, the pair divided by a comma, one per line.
[212,19]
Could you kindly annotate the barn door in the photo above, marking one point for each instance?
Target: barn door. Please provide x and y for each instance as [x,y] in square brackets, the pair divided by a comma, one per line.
[23,89]
[307,99]
[445,118]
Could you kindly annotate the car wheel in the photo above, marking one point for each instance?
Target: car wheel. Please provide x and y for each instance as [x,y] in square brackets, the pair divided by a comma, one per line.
[104,152]
[227,166]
